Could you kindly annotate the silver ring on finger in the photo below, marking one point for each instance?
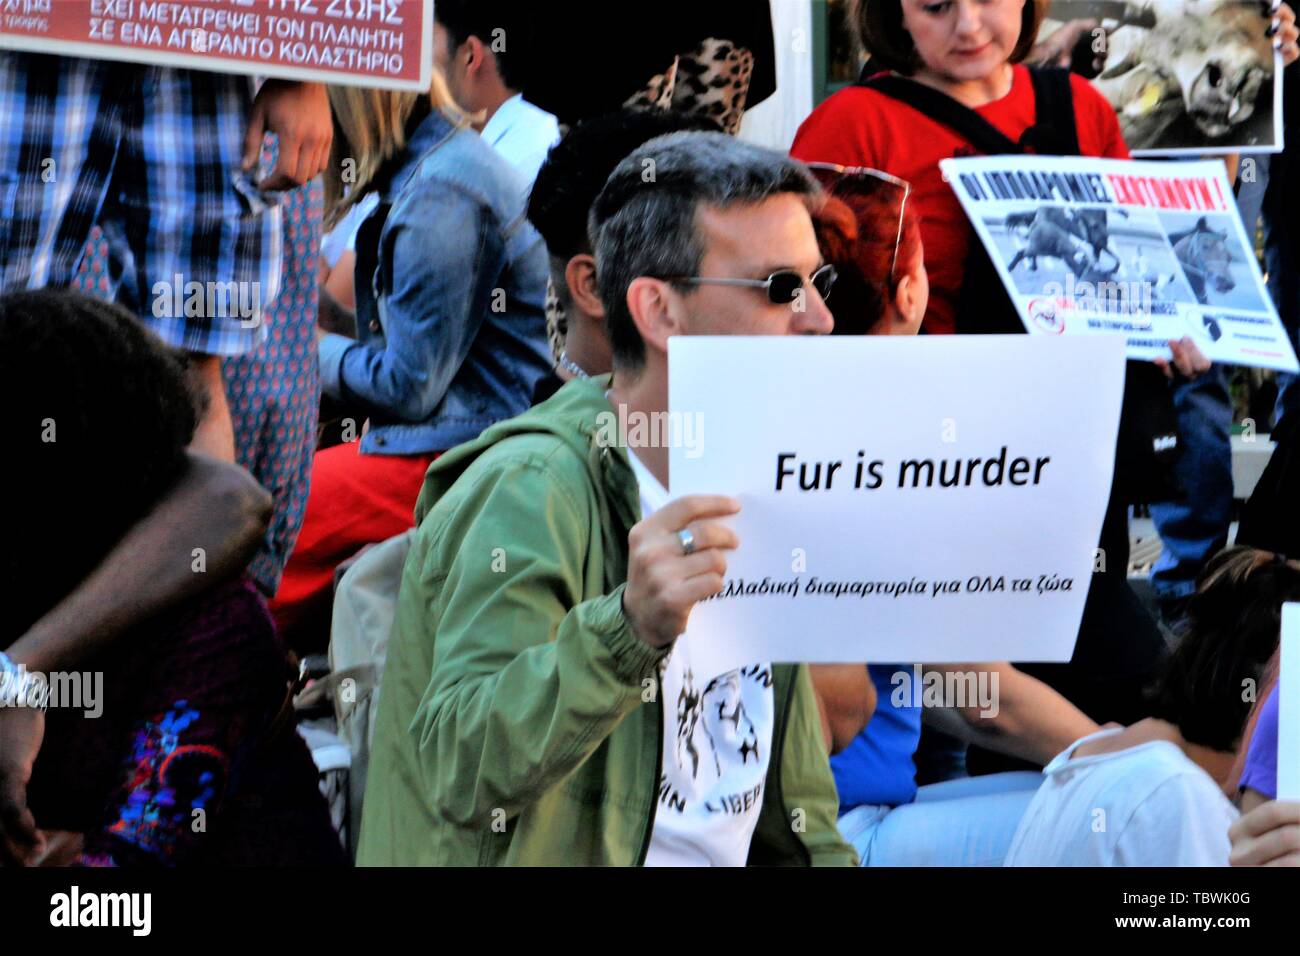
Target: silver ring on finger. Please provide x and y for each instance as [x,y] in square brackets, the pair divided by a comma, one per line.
[687,538]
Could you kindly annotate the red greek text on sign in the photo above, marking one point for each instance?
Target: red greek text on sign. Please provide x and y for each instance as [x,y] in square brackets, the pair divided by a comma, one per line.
[376,42]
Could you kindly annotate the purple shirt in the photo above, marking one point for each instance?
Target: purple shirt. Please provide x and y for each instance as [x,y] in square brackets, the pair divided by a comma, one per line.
[1261,758]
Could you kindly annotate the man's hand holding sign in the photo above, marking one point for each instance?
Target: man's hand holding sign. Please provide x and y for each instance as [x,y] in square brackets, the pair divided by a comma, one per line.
[677,557]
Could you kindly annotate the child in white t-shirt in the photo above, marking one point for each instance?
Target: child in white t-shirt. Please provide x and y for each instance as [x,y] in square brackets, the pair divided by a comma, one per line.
[1152,794]
[1125,803]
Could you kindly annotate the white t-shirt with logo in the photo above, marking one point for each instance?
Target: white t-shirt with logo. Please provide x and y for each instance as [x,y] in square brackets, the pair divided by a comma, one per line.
[1148,805]
[717,745]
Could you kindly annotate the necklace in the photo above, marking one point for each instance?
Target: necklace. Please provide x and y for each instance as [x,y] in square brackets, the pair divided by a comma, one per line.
[569,365]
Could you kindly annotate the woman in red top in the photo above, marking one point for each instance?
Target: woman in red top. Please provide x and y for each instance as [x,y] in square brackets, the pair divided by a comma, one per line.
[971,51]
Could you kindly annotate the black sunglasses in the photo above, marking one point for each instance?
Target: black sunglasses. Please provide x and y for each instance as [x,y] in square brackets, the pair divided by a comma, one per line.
[783,287]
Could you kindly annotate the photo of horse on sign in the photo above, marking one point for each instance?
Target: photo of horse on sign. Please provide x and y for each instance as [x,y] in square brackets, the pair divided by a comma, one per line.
[1095,259]
[1213,259]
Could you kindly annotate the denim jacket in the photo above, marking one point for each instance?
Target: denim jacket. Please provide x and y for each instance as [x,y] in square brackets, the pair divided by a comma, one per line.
[451,287]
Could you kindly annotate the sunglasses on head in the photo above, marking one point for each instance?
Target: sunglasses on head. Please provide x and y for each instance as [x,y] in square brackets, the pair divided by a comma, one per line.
[842,181]
[782,287]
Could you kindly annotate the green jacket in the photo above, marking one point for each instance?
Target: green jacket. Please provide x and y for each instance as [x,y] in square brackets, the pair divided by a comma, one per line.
[518,721]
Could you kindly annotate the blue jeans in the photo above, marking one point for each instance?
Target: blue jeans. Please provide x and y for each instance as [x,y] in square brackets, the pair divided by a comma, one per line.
[1196,527]
[965,822]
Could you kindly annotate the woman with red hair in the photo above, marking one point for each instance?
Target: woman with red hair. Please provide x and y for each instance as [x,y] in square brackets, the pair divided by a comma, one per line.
[871,233]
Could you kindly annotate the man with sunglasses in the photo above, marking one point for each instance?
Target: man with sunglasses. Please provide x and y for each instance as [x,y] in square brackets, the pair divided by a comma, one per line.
[534,710]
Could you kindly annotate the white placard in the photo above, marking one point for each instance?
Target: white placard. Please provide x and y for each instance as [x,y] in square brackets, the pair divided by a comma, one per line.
[1153,251]
[1288,707]
[968,534]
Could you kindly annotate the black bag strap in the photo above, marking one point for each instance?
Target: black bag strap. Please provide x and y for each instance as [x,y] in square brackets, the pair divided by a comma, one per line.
[943,109]
[1053,132]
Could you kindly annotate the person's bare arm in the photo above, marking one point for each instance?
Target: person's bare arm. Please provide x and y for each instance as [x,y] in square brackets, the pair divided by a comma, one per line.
[1022,716]
[215,435]
[1250,799]
[213,518]
[847,699]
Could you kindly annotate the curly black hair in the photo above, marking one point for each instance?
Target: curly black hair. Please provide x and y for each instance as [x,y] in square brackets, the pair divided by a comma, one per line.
[578,167]
[1231,632]
[100,412]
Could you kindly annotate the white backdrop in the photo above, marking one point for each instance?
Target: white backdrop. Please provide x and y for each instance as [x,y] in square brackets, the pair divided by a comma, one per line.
[774,122]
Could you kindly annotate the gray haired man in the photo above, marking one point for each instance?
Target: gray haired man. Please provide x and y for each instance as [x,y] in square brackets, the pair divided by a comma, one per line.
[534,710]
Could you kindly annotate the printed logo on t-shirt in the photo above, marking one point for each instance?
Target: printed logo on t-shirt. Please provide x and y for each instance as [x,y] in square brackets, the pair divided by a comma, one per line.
[715,721]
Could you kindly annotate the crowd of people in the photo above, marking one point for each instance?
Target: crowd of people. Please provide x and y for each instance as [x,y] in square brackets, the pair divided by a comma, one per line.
[445,293]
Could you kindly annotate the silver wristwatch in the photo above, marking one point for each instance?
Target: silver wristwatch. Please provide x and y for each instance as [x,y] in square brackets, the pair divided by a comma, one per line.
[20,687]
